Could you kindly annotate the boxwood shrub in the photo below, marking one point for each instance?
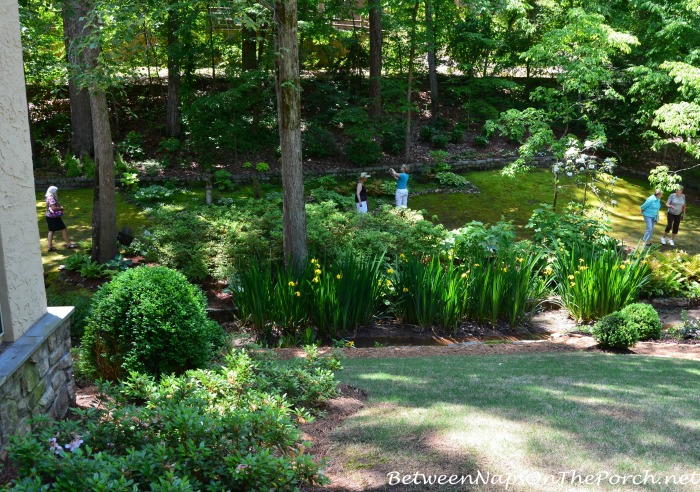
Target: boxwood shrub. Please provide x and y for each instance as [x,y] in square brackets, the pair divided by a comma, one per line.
[645,318]
[614,331]
[150,320]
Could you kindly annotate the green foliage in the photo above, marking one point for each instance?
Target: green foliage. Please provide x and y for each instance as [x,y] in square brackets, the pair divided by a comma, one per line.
[613,331]
[439,158]
[132,147]
[318,142]
[452,180]
[440,140]
[130,181]
[150,167]
[227,429]
[393,135]
[72,166]
[689,329]
[674,273]
[152,193]
[477,238]
[594,280]
[169,145]
[662,178]
[222,180]
[88,166]
[363,148]
[574,227]
[148,320]
[80,300]
[481,141]
[645,318]
[425,133]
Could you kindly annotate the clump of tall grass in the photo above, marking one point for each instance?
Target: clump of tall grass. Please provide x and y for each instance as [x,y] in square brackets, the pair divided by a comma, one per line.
[594,280]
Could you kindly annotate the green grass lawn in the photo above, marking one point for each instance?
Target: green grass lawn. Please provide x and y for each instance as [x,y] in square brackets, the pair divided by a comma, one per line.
[523,415]
[516,198]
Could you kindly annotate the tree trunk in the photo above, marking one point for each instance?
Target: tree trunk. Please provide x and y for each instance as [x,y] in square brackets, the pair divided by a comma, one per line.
[74,14]
[249,49]
[432,63]
[172,118]
[375,59]
[104,212]
[411,54]
[289,119]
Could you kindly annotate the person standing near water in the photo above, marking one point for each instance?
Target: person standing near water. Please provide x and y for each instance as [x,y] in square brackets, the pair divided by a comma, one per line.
[650,211]
[676,213]
[401,186]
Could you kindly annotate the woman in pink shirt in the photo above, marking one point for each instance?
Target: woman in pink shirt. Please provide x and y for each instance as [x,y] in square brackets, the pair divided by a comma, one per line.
[54,214]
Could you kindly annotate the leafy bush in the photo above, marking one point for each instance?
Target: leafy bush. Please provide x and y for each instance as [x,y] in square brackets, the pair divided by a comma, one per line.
[567,230]
[152,193]
[132,146]
[453,180]
[151,167]
[440,140]
[439,158]
[72,166]
[456,134]
[222,180]
[689,329]
[614,331]
[594,280]
[229,429]
[88,167]
[318,142]
[148,320]
[479,239]
[481,141]
[351,117]
[646,320]
[674,274]
[130,181]
[393,137]
[80,300]
[169,145]
[363,149]
[425,133]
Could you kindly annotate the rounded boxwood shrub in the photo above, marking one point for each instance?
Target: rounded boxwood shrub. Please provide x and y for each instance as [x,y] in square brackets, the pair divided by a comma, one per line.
[150,320]
[613,331]
[646,319]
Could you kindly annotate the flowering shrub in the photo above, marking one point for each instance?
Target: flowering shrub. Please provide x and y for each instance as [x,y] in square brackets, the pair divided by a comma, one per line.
[228,429]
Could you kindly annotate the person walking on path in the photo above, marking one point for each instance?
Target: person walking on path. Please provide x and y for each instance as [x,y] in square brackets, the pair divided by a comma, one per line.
[650,212]
[401,186]
[361,194]
[675,213]
[54,220]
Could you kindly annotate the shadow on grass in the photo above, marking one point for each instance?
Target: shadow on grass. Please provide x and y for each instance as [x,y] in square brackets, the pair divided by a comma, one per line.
[525,415]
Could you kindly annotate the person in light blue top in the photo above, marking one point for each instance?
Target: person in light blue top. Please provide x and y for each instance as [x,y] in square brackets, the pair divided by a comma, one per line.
[650,212]
[401,186]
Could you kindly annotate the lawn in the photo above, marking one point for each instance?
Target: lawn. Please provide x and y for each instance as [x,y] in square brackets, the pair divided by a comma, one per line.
[516,198]
[524,415]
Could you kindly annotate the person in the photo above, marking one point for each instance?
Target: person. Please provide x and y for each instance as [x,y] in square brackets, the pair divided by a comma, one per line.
[675,213]
[650,212]
[401,186]
[361,194]
[54,213]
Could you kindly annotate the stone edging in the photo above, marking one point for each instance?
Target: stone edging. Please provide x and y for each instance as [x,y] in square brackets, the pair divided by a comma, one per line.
[40,185]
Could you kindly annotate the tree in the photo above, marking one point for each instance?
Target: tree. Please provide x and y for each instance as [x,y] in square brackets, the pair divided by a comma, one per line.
[432,63]
[375,58]
[74,18]
[288,85]
[172,118]
[411,56]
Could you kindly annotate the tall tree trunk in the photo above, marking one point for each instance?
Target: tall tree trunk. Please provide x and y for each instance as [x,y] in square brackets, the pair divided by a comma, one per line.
[432,63]
[375,59]
[74,13]
[411,55]
[104,212]
[249,49]
[288,87]
[172,118]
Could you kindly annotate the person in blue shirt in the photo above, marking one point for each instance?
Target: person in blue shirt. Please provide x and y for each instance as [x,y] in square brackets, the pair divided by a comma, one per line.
[401,186]
[650,212]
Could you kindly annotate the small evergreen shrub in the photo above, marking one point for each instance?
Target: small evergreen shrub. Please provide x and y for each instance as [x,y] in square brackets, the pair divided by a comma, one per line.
[318,142]
[440,140]
[222,180]
[425,134]
[363,149]
[456,134]
[453,180]
[132,146]
[646,319]
[481,141]
[148,320]
[394,138]
[614,331]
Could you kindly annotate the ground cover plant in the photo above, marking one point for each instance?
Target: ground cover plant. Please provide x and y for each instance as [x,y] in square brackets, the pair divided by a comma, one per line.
[227,428]
[523,415]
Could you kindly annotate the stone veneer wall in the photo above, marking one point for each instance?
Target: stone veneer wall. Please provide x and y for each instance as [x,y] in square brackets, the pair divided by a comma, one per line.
[36,375]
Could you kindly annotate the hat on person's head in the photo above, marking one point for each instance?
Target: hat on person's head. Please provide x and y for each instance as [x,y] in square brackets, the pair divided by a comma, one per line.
[364,175]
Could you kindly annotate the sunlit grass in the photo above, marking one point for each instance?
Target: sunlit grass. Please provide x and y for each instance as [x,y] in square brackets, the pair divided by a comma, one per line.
[526,414]
[515,199]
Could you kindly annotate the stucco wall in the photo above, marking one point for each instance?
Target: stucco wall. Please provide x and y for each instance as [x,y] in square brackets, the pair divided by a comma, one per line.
[22,295]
